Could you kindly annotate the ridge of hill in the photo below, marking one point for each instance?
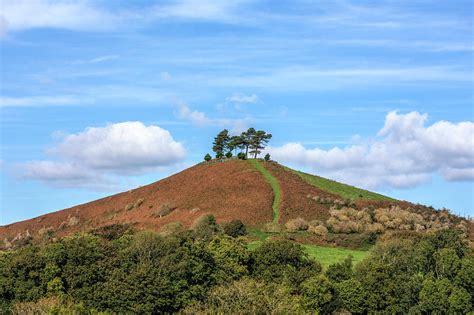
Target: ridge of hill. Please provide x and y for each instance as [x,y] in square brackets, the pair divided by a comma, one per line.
[253,191]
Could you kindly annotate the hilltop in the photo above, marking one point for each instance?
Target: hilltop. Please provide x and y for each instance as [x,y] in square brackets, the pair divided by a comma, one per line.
[263,195]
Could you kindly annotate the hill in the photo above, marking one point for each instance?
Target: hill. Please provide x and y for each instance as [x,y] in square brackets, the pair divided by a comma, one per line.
[256,192]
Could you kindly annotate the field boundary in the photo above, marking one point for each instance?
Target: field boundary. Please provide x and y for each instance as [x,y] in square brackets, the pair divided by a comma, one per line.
[275,187]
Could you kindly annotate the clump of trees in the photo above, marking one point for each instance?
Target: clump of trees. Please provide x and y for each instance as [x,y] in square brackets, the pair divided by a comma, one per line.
[248,143]
[210,270]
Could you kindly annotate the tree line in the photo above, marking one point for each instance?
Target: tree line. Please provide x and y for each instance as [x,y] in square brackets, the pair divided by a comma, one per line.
[210,270]
[250,142]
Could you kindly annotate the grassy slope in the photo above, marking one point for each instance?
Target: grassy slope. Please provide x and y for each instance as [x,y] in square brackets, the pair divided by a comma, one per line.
[343,190]
[325,255]
[275,186]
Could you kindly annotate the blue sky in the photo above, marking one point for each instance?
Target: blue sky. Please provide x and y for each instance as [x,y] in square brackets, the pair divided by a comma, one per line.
[101,96]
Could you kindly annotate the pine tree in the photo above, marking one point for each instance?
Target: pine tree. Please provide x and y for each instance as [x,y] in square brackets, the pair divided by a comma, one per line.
[247,137]
[220,143]
[258,142]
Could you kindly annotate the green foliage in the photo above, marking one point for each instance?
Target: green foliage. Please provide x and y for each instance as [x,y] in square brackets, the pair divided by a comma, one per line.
[350,296]
[205,271]
[220,143]
[267,157]
[343,190]
[460,301]
[248,296]
[447,263]
[234,228]
[434,296]
[231,258]
[275,187]
[340,271]
[205,227]
[228,154]
[316,291]
[283,261]
[207,157]
[241,156]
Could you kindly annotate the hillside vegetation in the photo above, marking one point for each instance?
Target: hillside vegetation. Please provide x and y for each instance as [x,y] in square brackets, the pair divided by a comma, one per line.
[210,270]
[343,190]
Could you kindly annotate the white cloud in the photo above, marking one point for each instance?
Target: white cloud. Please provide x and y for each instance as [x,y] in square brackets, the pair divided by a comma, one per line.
[104,58]
[84,15]
[128,148]
[223,11]
[242,98]
[202,120]
[405,153]
[19,15]
[39,101]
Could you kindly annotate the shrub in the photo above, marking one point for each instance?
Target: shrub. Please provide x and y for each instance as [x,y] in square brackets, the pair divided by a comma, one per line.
[207,157]
[271,227]
[111,232]
[234,228]
[319,230]
[298,224]
[241,156]
[248,296]
[205,227]
[316,292]
[228,155]
[219,155]
[267,157]
[171,228]
[164,210]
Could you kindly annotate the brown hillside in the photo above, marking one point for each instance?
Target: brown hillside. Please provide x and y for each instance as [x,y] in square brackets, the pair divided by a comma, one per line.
[228,190]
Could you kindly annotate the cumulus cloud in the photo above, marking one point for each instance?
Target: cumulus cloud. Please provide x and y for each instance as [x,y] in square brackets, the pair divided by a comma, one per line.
[201,119]
[405,153]
[96,155]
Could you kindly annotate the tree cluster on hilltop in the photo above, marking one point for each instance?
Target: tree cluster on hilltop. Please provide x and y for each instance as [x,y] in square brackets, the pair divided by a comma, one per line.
[248,142]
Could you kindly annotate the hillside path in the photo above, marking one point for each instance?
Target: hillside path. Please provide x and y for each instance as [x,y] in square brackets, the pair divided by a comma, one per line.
[275,187]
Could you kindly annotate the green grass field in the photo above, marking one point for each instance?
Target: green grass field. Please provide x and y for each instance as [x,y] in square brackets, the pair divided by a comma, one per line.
[275,186]
[325,255]
[343,190]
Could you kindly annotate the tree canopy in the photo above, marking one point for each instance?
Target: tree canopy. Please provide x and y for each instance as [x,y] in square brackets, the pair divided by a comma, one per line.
[248,142]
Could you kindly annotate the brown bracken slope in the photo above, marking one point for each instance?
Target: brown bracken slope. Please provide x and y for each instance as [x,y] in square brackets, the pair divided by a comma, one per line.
[229,190]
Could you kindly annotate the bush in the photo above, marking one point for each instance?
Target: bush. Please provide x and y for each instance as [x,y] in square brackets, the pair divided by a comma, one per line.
[316,292]
[319,230]
[111,232]
[248,296]
[267,157]
[271,227]
[205,227]
[234,228]
[219,155]
[241,156]
[171,228]
[228,155]
[298,224]
[164,210]
[207,157]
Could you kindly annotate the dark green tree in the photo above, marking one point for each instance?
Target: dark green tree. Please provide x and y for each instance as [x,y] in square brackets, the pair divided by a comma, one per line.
[246,139]
[234,228]
[207,157]
[267,157]
[258,142]
[235,143]
[220,143]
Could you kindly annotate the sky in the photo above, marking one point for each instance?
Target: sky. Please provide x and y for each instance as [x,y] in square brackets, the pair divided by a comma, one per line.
[97,97]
